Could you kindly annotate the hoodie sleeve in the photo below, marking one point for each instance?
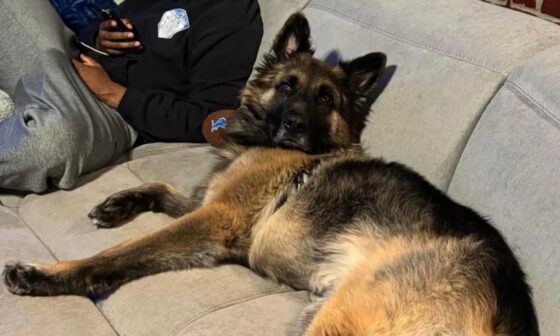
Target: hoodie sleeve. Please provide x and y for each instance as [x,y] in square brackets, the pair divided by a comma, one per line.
[89,35]
[220,64]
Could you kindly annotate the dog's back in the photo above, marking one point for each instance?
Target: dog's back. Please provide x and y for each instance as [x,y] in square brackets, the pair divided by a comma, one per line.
[401,258]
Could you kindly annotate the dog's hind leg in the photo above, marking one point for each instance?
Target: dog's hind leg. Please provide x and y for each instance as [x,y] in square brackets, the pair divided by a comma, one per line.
[125,204]
[202,238]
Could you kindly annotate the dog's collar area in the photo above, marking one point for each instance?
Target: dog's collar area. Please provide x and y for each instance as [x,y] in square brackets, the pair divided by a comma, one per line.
[298,181]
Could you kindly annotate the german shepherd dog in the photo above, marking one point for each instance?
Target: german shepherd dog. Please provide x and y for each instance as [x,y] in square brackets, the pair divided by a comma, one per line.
[296,199]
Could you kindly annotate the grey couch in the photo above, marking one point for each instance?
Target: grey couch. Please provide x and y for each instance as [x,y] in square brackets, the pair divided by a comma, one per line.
[472,101]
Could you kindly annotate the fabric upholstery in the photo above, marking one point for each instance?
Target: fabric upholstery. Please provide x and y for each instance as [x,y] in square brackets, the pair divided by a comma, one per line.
[178,303]
[259,316]
[60,316]
[69,232]
[510,172]
[60,218]
[449,60]
[157,148]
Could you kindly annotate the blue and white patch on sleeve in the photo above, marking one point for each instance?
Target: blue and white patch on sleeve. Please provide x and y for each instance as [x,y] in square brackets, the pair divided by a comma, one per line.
[172,22]
[218,124]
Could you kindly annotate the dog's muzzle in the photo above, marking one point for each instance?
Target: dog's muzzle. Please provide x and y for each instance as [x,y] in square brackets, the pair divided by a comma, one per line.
[293,133]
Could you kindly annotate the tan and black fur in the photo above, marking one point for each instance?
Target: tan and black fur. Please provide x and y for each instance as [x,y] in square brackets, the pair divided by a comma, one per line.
[294,198]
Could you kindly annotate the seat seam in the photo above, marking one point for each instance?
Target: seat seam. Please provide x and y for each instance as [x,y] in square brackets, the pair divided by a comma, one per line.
[523,95]
[126,164]
[548,115]
[154,152]
[58,260]
[184,326]
[500,85]
[35,233]
[408,41]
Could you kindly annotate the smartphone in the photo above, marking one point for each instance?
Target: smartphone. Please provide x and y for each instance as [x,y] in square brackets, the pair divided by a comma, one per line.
[109,14]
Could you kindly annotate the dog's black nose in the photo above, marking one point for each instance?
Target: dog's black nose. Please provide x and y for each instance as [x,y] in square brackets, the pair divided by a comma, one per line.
[295,124]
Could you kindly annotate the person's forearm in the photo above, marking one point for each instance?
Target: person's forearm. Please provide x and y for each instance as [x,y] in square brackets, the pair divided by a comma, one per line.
[98,81]
[113,95]
[165,116]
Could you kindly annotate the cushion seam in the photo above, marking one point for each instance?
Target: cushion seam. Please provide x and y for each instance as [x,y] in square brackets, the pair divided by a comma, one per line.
[105,317]
[153,152]
[58,260]
[206,312]
[409,41]
[544,112]
[475,122]
[35,233]
[126,164]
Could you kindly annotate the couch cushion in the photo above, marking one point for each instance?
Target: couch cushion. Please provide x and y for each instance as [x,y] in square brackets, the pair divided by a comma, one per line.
[60,217]
[65,315]
[449,58]
[171,301]
[156,148]
[510,172]
[258,317]
[175,303]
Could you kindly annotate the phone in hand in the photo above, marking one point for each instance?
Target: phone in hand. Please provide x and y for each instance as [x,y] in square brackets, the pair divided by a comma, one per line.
[109,14]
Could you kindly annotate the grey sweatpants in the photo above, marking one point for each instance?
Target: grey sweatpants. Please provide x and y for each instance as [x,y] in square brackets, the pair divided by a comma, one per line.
[58,130]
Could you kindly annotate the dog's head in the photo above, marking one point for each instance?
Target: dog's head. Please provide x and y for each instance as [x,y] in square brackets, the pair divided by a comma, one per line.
[296,101]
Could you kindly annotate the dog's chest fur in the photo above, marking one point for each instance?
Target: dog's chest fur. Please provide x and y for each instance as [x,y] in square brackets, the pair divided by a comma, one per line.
[258,186]
[254,178]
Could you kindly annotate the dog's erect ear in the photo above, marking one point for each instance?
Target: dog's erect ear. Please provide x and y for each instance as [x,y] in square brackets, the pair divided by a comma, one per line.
[363,72]
[294,37]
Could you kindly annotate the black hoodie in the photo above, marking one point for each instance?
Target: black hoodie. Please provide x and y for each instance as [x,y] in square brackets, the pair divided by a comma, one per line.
[189,66]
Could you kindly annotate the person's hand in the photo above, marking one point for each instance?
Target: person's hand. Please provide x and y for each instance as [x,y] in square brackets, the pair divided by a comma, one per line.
[115,42]
[98,81]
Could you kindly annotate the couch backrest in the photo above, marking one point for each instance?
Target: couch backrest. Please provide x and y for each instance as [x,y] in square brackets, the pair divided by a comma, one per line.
[510,172]
[449,59]
[455,67]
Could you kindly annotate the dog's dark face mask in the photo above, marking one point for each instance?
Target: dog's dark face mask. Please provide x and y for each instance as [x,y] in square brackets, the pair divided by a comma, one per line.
[296,101]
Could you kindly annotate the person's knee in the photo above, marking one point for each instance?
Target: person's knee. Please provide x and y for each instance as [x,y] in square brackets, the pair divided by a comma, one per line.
[46,150]
[53,135]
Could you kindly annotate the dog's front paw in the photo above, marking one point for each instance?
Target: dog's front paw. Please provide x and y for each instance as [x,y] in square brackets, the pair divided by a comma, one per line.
[26,279]
[115,209]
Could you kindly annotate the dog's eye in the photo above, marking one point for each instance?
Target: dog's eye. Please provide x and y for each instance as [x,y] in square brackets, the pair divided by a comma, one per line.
[324,99]
[284,87]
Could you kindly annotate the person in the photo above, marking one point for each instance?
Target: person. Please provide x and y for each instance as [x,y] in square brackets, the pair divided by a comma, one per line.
[177,61]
